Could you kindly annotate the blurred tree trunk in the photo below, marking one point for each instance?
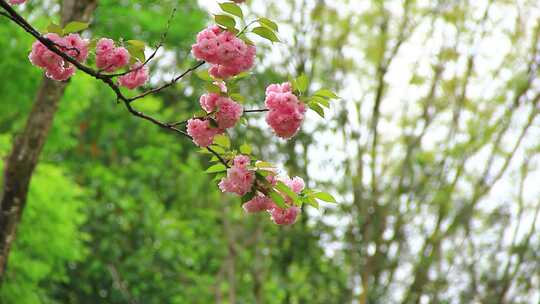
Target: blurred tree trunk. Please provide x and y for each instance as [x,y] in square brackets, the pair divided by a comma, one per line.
[27,147]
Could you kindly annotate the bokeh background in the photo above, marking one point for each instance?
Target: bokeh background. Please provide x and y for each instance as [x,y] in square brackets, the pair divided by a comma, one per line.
[432,153]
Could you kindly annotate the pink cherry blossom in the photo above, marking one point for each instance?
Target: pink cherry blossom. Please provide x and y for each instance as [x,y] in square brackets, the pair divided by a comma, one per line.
[228,112]
[201,132]
[286,112]
[296,183]
[15,2]
[76,47]
[285,216]
[227,54]
[110,58]
[239,178]
[55,66]
[136,78]
[257,204]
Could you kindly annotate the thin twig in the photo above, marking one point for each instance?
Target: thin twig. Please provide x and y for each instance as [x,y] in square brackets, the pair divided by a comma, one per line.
[156,49]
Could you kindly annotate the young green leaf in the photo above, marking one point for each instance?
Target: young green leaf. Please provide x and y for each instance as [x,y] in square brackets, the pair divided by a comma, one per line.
[248,196]
[225,21]
[287,191]
[245,149]
[320,100]
[75,26]
[136,53]
[262,164]
[326,93]
[212,88]
[93,43]
[219,176]
[222,140]
[265,33]
[277,199]
[232,9]
[238,97]
[55,28]
[317,108]
[268,23]
[312,202]
[246,39]
[218,149]
[216,168]
[302,83]
[204,151]
[325,196]
[204,75]
[137,43]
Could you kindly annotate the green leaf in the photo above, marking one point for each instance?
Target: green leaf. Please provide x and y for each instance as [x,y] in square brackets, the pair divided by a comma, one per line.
[265,33]
[136,53]
[287,191]
[262,164]
[320,100]
[216,168]
[324,196]
[326,93]
[55,28]
[212,88]
[92,43]
[204,75]
[302,83]
[263,173]
[238,97]
[137,43]
[246,39]
[219,176]
[268,23]
[223,141]
[245,149]
[317,108]
[226,21]
[75,26]
[248,196]
[277,199]
[204,151]
[218,149]
[312,202]
[232,9]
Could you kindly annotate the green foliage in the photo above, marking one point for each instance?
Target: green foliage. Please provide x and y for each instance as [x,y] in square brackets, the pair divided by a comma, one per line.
[48,239]
[232,8]
[266,33]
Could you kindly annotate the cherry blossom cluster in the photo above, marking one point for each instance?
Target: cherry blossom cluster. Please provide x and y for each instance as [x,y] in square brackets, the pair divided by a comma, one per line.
[222,110]
[55,66]
[280,216]
[109,58]
[286,112]
[227,54]
[240,180]
[136,78]
[15,2]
